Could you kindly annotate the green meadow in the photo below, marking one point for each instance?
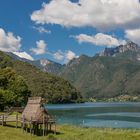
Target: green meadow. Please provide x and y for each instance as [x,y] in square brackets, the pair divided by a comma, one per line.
[67,132]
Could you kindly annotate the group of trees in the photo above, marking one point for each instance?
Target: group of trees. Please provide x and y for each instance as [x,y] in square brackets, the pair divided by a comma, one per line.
[13,89]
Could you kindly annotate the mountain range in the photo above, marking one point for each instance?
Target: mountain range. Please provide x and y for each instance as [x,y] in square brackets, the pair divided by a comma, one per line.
[111,73]
[45,65]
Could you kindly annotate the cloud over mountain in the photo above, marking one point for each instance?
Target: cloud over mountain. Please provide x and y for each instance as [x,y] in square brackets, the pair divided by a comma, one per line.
[133,35]
[99,39]
[41,47]
[64,56]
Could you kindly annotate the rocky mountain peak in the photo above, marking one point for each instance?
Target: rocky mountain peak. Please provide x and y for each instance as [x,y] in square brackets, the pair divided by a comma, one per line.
[129,46]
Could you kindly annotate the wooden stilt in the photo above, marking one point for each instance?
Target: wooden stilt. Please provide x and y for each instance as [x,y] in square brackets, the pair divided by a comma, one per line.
[26,127]
[47,128]
[54,124]
[33,129]
[43,125]
[54,128]
[40,129]
[50,127]
[37,129]
[23,123]
[31,126]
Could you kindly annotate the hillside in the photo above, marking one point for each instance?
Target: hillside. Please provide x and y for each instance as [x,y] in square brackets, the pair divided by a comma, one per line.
[53,88]
[106,76]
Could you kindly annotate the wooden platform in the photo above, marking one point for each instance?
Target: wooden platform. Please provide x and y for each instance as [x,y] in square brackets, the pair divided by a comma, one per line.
[25,125]
[34,117]
[10,118]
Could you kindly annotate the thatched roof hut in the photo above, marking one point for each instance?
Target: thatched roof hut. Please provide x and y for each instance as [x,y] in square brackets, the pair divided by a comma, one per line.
[35,110]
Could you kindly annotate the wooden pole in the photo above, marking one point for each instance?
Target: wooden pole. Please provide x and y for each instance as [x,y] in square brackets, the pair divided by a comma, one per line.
[16,120]
[50,126]
[33,129]
[43,125]
[23,123]
[26,127]
[3,120]
[54,128]
[31,126]
[47,127]
[41,129]
[55,125]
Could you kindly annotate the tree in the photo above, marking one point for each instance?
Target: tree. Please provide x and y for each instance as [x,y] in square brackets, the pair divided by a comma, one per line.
[13,89]
[20,88]
[7,98]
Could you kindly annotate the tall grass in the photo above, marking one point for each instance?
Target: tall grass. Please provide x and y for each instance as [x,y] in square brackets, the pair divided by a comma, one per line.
[66,132]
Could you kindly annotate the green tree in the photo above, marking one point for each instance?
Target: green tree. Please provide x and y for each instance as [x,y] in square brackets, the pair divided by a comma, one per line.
[7,98]
[13,89]
[20,88]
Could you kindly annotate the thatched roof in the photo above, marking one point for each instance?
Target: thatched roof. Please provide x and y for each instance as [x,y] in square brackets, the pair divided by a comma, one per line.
[35,110]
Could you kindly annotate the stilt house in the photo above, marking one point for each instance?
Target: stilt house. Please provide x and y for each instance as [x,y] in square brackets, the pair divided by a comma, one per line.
[36,116]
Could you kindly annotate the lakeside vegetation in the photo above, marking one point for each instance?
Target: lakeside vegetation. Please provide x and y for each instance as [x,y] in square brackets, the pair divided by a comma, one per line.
[121,98]
[66,132]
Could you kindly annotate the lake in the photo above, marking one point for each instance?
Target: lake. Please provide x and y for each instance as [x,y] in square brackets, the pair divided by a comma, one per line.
[112,115]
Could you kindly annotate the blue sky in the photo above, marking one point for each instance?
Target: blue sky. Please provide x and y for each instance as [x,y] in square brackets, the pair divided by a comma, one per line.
[72,31]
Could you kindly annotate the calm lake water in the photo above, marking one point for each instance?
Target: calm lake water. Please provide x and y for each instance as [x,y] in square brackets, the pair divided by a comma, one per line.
[113,115]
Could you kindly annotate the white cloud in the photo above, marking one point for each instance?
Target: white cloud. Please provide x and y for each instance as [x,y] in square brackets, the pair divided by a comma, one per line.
[100,14]
[65,57]
[24,55]
[59,55]
[133,35]
[41,47]
[70,55]
[99,39]
[41,29]
[8,42]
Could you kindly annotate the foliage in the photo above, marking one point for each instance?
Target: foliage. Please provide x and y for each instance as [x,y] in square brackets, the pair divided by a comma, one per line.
[13,89]
[5,61]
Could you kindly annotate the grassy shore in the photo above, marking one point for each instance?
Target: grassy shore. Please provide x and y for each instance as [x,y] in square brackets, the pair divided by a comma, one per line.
[66,132]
